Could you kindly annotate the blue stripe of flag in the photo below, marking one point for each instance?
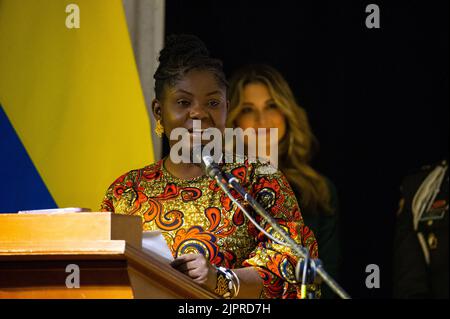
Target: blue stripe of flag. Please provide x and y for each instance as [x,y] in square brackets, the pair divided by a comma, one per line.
[21,187]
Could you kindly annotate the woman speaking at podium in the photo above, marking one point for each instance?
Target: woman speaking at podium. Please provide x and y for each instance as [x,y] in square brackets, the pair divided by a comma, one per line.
[211,239]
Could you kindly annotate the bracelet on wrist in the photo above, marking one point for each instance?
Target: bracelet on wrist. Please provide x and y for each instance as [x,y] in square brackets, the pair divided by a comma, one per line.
[228,284]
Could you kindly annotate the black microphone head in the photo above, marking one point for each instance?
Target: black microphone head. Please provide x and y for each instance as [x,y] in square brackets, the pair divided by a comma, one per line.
[206,161]
[211,168]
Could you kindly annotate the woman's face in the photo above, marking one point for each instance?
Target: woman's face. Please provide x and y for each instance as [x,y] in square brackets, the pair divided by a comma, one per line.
[259,110]
[197,96]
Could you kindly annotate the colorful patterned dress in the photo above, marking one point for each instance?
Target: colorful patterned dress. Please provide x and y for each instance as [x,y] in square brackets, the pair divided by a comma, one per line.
[195,216]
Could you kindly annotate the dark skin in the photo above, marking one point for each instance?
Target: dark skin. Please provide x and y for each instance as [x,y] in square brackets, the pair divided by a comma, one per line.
[199,96]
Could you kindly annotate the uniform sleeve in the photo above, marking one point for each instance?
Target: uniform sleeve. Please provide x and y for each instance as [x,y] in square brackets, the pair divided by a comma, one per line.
[276,263]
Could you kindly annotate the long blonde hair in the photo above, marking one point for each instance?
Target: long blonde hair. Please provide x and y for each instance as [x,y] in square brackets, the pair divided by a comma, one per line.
[296,148]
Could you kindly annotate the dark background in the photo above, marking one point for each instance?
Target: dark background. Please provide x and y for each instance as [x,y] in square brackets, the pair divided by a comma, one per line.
[377,99]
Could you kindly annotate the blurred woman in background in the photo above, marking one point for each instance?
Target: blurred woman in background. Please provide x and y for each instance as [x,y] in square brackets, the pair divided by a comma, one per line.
[260,98]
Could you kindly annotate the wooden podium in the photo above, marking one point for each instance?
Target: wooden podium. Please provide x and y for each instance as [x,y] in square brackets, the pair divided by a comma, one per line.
[36,250]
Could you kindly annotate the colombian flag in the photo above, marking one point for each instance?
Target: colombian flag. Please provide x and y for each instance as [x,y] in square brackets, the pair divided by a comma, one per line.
[72,114]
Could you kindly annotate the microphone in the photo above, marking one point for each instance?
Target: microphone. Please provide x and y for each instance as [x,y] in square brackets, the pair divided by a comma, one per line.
[210,167]
[206,162]
[227,181]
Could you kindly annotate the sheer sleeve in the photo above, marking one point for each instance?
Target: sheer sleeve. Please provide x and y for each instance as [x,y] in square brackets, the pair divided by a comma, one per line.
[276,263]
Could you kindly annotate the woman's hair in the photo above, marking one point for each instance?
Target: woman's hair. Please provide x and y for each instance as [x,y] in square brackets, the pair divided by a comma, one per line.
[296,147]
[181,54]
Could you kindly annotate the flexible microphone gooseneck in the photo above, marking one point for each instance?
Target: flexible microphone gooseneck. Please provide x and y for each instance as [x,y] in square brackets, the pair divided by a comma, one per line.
[225,181]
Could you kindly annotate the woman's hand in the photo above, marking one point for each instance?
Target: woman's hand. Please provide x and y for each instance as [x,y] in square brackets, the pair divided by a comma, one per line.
[198,268]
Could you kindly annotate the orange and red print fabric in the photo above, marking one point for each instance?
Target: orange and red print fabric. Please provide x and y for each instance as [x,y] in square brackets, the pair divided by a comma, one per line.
[196,216]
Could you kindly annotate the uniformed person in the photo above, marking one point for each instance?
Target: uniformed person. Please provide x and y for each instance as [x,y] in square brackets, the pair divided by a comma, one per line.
[421,239]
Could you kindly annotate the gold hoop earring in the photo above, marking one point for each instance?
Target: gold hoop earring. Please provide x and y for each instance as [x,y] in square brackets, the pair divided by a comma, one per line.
[159,129]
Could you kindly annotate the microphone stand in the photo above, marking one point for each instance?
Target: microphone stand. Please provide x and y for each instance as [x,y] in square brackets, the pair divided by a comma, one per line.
[314,265]
[310,266]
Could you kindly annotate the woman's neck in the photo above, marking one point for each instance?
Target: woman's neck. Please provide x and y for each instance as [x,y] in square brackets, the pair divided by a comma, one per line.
[182,170]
